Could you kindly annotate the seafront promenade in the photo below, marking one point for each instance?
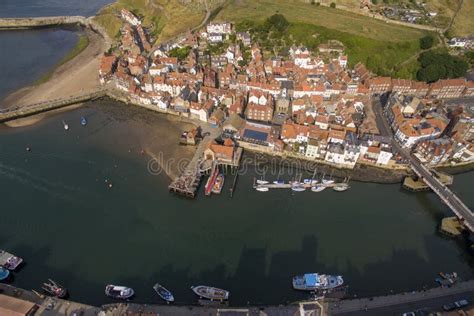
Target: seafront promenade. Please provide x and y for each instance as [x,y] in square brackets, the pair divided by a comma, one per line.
[431,299]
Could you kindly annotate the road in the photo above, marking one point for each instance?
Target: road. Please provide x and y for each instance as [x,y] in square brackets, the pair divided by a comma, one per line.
[430,305]
[447,196]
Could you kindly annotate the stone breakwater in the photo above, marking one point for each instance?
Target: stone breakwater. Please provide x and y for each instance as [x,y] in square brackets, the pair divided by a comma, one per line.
[54,21]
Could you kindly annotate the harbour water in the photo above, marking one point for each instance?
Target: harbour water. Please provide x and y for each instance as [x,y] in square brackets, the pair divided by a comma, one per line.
[59,214]
[26,55]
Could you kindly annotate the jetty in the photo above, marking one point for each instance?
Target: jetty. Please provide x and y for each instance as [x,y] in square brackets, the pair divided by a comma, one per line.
[20,111]
[187,183]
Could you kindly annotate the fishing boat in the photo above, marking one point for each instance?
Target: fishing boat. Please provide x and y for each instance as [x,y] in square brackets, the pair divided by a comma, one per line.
[217,188]
[83,121]
[318,188]
[340,187]
[66,127]
[328,181]
[54,289]
[262,189]
[4,273]
[119,292]
[163,293]
[9,261]
[298,187]
[315,281]
[210,293]
[310,181]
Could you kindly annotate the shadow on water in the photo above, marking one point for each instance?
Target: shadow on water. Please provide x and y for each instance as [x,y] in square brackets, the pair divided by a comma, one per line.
[260,278]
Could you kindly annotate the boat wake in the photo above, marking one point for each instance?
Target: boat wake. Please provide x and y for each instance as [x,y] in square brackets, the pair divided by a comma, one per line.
[40,184]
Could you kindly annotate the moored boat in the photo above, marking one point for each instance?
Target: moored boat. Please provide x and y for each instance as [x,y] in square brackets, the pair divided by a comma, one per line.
[119,292]
[328,181]
[262,182]
[83,121]
[340,187]
[163,293]
[4,273]
[318,188]
[262,189]
[54,289]
[278,182]
[210,293]
[315,281]
[298,187]
[217,188]
[9,261]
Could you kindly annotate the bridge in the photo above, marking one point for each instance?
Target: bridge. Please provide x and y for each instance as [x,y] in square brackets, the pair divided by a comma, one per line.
[21,111]
[446,195]
[463,212]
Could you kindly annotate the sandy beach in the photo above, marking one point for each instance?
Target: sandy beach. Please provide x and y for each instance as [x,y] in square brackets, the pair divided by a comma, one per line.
[77,76]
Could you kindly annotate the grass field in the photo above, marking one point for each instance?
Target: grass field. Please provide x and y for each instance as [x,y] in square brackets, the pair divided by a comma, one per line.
[167,18]
[303,12]
[464,22]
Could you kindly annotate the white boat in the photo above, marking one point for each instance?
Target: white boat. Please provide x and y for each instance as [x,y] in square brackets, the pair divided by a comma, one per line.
[262,189]
[9,261]
[315,281]
[310,181]
[340,187]
[119,292]
[262,182]
[328,181]
[318,188]
[298,188]
[66,127]
[210,293]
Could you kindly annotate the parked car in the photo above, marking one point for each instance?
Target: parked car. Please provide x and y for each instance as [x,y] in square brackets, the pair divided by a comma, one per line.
[455,305]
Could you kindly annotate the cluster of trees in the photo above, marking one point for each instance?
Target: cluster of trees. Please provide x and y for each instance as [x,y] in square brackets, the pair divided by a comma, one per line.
[180,53]
[435,66]
[427,42]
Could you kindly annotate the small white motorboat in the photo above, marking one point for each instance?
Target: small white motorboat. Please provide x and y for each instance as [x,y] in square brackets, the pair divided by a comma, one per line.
[298,188]
[262,189]
[66,127]
[328,181]
[318,188]
[262,182]
[340,187]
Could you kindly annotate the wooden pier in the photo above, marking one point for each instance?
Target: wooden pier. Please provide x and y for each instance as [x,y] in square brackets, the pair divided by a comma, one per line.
[188,183]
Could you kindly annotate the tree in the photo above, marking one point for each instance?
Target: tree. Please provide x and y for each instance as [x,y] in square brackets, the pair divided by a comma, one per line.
[333,5]
[426,42]
[278,22]
[435,66]
[180,53]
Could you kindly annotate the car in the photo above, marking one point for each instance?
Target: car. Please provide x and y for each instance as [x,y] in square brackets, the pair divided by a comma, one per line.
[455,305]
[449,307]
[461,303]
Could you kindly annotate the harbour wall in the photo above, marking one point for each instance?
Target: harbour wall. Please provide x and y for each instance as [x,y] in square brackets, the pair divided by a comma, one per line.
[265,157]
[54,21]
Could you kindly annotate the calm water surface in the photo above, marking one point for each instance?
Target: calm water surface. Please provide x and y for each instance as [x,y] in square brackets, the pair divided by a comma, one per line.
[27,8]
[59,214]
[25,56]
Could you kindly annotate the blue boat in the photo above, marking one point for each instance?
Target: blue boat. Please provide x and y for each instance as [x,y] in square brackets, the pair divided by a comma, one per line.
[83,121]
[4,273]
[315,281]
[163,293]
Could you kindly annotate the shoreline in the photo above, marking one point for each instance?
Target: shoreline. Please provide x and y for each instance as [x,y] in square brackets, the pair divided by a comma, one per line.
[75,73]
